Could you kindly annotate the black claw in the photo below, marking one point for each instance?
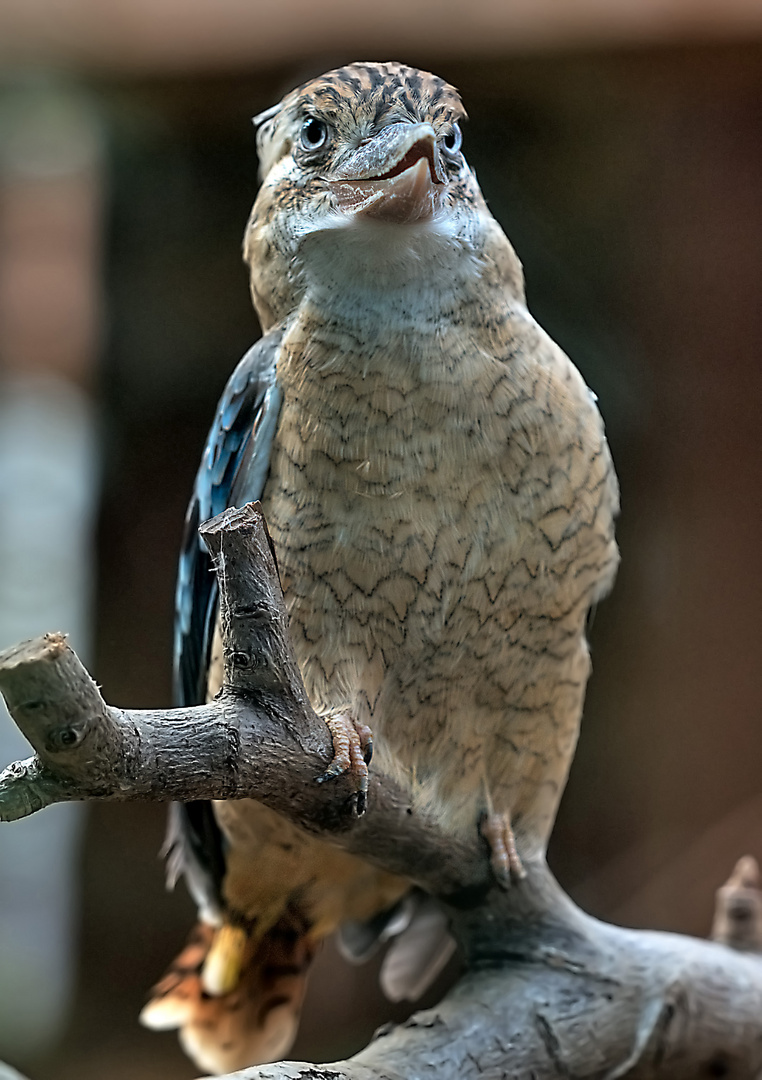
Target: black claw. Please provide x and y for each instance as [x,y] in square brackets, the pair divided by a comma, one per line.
[359,799]
[336,768]
[367,752]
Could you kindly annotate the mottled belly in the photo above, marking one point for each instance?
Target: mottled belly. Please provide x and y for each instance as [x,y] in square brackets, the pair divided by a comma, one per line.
[439,549]
[440,616]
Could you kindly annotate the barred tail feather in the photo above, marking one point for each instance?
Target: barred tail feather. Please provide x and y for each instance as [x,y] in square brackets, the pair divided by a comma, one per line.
[254,1023]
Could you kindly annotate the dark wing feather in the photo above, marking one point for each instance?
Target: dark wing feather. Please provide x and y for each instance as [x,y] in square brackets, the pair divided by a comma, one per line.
[233,471]
[193,850]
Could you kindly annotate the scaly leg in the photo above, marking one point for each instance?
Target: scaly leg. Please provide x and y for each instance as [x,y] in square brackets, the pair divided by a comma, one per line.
[352,751]
[504,858]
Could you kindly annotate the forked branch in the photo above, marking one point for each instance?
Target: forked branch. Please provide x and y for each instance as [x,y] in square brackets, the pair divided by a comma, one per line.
[549,993]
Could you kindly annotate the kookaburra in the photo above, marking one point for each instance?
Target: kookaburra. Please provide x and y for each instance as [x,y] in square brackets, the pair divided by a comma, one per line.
[437,483]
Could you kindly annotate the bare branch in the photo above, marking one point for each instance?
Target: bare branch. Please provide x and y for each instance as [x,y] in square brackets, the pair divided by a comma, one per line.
[738,911]
[550,992]
[638,1004]
[259,738]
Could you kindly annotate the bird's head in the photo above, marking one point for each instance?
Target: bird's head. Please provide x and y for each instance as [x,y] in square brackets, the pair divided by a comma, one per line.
[367,157]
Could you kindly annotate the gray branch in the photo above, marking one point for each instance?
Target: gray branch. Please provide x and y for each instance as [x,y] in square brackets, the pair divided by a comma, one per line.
[260,737]
[549,992]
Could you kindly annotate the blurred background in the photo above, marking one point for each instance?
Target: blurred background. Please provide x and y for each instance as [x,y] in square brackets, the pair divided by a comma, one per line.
[620,144]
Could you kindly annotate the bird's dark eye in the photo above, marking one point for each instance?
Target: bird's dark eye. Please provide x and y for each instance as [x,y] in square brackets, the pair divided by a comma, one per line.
[314,134]
[452,140]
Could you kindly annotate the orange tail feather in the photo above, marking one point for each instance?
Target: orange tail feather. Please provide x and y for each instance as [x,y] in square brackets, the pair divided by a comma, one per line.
[257,1021]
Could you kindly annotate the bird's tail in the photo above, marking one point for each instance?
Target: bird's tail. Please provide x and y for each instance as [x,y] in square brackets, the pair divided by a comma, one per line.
[254,1022]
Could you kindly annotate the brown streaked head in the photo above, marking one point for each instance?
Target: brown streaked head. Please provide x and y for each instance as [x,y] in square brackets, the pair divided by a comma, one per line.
[355,102]
[361,166]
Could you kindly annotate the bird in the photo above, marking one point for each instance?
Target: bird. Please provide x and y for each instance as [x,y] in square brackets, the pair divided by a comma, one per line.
[441,498]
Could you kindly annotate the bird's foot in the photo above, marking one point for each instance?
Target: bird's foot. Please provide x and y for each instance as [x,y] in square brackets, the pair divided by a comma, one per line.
[504,858]
[352,751]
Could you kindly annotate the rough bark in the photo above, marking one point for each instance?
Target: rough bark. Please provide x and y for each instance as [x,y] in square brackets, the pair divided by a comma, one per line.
[550,992]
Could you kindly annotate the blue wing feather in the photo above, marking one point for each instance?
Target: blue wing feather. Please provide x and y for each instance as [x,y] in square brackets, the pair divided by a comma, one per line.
[233,471]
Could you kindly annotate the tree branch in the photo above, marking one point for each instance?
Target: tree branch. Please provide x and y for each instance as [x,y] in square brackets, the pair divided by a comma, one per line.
[259,738]
[550,992]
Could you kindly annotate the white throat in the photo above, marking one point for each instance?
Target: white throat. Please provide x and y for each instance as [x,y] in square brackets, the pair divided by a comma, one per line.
[389,280]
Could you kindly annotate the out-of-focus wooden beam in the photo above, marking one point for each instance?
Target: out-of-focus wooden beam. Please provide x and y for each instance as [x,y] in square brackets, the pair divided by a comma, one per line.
[148,36]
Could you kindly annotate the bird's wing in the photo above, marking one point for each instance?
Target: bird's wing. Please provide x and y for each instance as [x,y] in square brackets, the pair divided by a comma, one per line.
[233,471]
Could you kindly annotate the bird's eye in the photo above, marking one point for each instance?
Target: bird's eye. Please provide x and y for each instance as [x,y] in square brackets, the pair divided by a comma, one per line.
[452,140]
[314,134]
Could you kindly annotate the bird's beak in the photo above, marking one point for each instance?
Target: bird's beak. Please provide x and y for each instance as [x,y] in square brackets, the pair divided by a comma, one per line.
[397,176]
